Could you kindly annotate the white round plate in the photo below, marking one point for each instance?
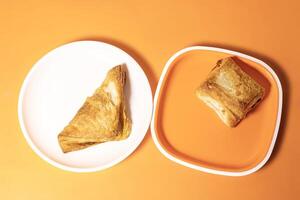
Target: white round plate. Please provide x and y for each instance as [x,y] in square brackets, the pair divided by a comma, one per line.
[57,86]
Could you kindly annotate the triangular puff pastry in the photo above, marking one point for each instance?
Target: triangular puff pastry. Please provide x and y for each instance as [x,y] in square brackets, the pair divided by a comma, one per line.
[103,116]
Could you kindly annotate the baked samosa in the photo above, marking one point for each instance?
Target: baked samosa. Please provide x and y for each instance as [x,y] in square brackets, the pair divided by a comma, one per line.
[230,92]
[102,118]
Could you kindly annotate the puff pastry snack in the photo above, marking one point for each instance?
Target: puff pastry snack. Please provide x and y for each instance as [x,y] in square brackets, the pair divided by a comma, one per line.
[230,92]
[103,116]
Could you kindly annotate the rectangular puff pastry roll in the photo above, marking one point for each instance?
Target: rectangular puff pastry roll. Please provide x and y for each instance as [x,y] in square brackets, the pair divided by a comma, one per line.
[230,92]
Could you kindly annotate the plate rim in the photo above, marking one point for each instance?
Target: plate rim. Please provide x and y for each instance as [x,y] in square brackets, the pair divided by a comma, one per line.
[42,155]
[191,165]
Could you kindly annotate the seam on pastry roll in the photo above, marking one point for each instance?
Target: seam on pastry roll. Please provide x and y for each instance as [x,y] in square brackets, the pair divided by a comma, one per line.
[103,116]
[235,92]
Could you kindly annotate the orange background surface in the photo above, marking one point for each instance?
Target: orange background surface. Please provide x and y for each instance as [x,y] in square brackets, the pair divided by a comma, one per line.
[150,31]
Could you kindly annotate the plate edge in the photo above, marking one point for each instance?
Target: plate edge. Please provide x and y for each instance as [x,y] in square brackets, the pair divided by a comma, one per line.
[198,167]
[39,152]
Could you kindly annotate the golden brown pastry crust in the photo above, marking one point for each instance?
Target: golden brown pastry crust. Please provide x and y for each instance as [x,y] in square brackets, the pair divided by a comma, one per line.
[230,92]
[103,116]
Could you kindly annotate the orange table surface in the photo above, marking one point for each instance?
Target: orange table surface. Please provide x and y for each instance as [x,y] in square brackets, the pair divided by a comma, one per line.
[151,31]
